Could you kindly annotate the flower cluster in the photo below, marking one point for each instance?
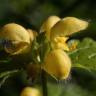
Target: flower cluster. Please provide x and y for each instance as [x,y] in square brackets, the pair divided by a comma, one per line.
[18,40]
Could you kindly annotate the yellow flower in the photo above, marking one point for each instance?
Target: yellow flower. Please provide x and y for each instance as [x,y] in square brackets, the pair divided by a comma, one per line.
[48,24]
[32,34]
[67,26]
[60,43]
[30,91]
[19,37]
[58,64]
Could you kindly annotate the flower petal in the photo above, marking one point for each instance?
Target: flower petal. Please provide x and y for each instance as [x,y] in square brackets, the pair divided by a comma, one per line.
[68,26]
[19,48]
[14,32]
[60,43]
[48,24]
[58,64]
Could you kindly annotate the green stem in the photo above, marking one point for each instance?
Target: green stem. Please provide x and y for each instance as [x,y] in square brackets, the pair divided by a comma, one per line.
[44,83]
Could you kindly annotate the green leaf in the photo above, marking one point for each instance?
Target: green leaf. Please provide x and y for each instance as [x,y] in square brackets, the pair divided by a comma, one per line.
[13,85]
[81,83]
[5,75]
[84,56]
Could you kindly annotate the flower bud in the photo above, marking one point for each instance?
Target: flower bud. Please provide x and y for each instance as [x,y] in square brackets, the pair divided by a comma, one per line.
[19,37]
[58,64]
[29,91]
[48,24]
[67,26]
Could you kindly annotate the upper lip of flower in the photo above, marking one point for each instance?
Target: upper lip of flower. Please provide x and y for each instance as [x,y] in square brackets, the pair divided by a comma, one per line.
[68,26]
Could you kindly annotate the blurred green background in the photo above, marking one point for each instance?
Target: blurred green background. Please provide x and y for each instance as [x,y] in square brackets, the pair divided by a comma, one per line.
[31,13]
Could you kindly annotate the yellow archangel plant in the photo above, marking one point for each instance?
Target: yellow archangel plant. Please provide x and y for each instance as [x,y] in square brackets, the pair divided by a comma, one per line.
[57,63]
[30,91]
[18,36]
[61,29]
